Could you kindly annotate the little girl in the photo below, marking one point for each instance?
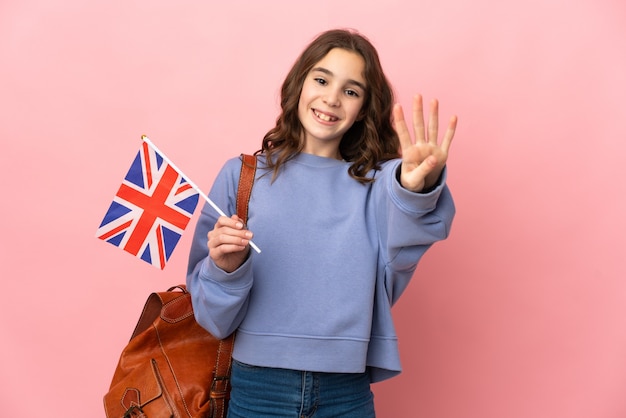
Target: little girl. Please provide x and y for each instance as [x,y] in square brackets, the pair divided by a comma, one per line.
[342,218]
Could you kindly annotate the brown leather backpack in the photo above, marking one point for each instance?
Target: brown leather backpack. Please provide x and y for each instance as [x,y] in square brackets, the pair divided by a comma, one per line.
[172,367]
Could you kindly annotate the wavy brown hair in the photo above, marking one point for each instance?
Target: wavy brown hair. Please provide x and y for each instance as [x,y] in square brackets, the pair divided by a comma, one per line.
[369,141]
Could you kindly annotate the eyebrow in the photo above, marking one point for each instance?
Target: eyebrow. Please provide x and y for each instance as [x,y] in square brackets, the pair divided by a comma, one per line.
[330,73]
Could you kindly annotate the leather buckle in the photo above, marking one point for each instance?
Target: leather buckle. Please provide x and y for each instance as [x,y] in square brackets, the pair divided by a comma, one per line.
[219,392]
[133,411]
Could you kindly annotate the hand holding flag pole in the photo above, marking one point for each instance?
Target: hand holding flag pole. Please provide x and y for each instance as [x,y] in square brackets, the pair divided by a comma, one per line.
[152,208]
[193,185]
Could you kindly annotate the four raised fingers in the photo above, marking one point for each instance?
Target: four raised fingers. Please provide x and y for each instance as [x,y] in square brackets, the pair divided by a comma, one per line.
[422,133]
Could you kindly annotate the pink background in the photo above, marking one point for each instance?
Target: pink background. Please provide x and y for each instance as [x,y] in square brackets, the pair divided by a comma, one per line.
[521,313]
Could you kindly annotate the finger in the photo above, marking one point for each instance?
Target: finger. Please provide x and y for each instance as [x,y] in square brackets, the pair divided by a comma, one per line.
[228,240]
[226,257]
[418,119]
[238,222]
[233,222]
[433,122]
[230,226]
[400,127]
[447,139]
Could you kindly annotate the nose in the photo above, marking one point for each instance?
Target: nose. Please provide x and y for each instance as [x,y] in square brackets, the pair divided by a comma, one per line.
[332,98]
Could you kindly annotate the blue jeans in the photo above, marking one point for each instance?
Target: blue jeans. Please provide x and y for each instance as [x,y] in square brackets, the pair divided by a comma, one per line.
[259,392]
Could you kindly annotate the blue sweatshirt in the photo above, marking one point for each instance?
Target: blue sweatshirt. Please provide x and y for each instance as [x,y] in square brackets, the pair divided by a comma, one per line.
[336,255]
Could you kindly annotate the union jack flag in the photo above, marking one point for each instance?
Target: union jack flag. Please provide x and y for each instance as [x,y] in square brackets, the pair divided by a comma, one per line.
[151,209]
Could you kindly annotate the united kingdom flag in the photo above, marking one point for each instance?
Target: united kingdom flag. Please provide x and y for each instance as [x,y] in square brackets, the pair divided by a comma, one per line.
[151,209]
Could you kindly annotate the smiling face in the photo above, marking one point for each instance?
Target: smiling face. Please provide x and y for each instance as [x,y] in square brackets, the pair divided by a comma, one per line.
[331,99]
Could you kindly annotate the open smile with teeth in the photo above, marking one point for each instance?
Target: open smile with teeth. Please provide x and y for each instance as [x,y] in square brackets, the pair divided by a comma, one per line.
[325,117]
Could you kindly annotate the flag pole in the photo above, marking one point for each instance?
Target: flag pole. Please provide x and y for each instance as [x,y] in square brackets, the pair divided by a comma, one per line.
[192,184]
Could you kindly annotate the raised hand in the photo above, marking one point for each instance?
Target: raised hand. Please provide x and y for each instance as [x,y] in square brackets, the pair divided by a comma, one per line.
[422,161]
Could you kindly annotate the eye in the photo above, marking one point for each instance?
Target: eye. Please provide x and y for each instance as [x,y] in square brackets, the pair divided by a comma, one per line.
[320,80]
[352,93]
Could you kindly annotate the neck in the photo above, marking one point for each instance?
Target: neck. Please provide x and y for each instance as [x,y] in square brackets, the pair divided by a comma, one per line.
[328,150]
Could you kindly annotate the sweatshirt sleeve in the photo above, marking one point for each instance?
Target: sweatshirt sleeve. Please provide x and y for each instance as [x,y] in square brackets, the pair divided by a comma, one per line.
[219,298]
[409,223]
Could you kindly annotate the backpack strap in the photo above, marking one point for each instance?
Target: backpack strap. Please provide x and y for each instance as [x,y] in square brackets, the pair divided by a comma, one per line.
[220,387]
[246,180]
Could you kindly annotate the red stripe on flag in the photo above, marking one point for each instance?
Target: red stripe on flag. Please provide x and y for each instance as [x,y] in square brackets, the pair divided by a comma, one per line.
[161,248]
[114,232]
[183,188]
[153,207]
[146,157]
